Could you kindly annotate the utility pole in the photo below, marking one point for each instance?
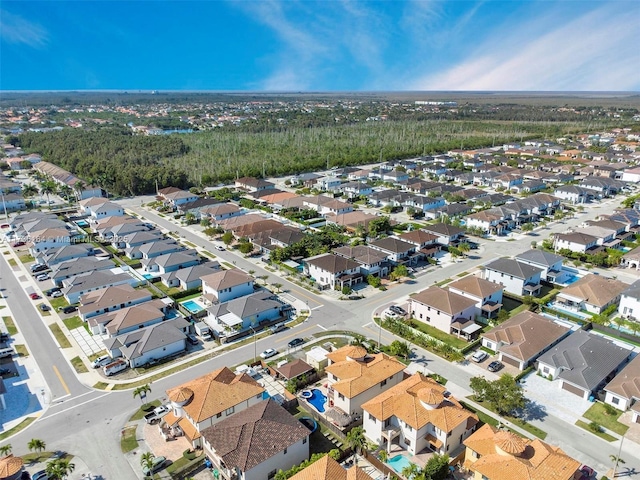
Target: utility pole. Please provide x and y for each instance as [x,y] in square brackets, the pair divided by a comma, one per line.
[4,205]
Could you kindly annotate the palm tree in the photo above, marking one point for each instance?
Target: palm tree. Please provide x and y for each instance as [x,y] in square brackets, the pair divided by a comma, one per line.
[6,449]
[65,191]
[142,391]
[464,247]
[410,471]
[36,445]
[146,460]
[29,191]
[59,468]
[47,188]
[357,441]
[277,286]
[616,460]
[79,188]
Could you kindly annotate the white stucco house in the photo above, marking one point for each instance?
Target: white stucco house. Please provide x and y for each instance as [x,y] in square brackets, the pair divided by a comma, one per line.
[516,277]
[442,308]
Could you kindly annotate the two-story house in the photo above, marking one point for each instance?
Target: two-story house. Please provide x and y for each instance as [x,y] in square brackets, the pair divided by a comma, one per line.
[442,308]
[549,263]
[516,277]
[417,415]
[208,400]
[333,271]
[355,377]
[372,261]
[225,285]
[623,392]
[574,241]
[426,243]
[488,295]
[397,251]
[629,307]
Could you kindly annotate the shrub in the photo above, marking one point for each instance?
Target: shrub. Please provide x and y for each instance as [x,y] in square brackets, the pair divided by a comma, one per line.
[595,427]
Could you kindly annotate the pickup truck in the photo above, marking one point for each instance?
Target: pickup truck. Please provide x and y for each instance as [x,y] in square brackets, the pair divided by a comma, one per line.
[157,414]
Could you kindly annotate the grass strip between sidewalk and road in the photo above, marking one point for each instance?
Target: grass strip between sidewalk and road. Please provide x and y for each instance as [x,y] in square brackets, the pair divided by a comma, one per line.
[11,327]
[128,441]
[60,336]
[532,429]
[603,435]
[597,413]
[79,365]
[21,426]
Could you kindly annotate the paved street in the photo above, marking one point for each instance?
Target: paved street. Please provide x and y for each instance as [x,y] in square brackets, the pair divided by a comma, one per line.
[87,422]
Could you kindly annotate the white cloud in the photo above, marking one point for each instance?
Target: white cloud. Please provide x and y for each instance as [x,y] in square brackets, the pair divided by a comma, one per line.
[17,30]
[596,51]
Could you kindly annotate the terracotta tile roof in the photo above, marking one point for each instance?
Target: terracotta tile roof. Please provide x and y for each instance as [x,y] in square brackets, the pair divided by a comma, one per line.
[260,432]
[327,468]
[10,465]
[355,377]
[526,334]
[530,460]
[443,300]
[476,286]
[595,289]
[216,392]
[406,400]
[294,369]
[418,237]
[226,279]
[351,351]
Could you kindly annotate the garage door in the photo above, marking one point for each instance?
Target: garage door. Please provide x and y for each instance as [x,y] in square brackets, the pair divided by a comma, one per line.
[572,389]
[510,361]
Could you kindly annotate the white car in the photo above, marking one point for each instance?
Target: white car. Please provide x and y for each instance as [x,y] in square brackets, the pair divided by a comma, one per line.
[479,356]
[42,277]
[220,248]
[268,353]
[389,314]
[57,294]
[101,361]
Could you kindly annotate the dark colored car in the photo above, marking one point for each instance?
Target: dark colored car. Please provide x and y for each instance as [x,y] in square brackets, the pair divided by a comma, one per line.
[18,244]
[192,339]
[295,342]
[399,310]
[68,309]
[4,337]
[495,366]
[38,267]
[51,291]
[44,307]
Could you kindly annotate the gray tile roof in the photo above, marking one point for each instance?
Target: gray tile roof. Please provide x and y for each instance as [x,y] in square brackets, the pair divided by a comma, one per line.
[248,439]
[586,359]
[632,290]
[513,267]
[540,257]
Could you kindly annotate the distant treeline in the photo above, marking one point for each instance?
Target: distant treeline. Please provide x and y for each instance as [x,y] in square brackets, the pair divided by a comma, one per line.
[126,164]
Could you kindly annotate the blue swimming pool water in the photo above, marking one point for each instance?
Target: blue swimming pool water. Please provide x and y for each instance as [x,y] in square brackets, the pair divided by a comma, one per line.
[398,463]
[147,276]
[571,279]
[318,400]
[192,306]
[82,223]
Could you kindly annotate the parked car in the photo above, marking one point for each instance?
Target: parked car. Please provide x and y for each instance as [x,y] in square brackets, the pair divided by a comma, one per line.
[57,294]
[18,244]
[101,361]
[51,291]
[587,472]
[157,464]
[295,342]
[389,314]
[41,475]
[479,356]
[220,248]
[278,327]
[268,353]
[44,307]
[68,309]
[495,366]
[192,339]
[4,337]
[157,414]
[398,310]
[38,267]
[34,296]
[5,225]
[42,277]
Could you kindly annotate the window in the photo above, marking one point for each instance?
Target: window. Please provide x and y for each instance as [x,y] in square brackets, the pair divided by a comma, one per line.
[407,441]
[219,415]
[615,400]
[428,319]
[230,411]
[272,474]
[304,440]
[372,418]
[545,370]
[383,383]
[259,396]
[420,316]
[285,451]
[341,396]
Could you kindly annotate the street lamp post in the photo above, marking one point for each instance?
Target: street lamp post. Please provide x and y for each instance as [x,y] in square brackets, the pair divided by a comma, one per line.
[255,339]
[617,459]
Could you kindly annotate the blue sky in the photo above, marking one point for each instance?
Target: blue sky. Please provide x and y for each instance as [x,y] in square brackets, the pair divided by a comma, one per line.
[329,45]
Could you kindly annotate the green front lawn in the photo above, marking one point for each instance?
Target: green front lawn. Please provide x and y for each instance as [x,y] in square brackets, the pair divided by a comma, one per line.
[26,258]
[143,410]
[79,365]
[73,322]
[455,342]
[597,413]
[56,303]
[21,350]
[128,441]
[533,430]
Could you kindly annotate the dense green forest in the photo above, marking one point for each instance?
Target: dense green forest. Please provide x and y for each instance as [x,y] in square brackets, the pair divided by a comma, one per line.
[127,164]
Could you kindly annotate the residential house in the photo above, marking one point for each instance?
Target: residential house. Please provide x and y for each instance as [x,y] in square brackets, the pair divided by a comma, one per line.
[329,184]
[583,363]
[447,234]
[56,255]
[631,259]
[73,288]
[488,295]
[109,299]
[629,307]
[10,202]
[418,413]
[356,189]
[397,251]
[606,236]
[395,176]
[196,207]
[221,211]
[251,184]
[78,266]
[491,221]
[189,278]
[426,243]
[225,285]
[170,262]
[593,293]
[47,238]
[355,377]
[128,319]
[575,242]
[208,400]
[352,221]
[326,205]
[333,271]
[524,337]
[152,343]
[175,196]
[371,261]
[549,263]
[150,250]
[63,177]
[442,309]
[103,210]
[243,313]
[623,392]
[517,278]
[495,454]
[257,444]
[574,194]
[326,468]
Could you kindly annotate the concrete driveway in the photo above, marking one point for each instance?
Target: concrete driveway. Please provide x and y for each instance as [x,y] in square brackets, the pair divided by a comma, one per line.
[551,400]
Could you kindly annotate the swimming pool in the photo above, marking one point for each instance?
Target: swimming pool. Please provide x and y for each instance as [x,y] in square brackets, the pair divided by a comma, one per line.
[318,400]
[571,279]
[147,276]
[82,223]
[192,306]
[398,463]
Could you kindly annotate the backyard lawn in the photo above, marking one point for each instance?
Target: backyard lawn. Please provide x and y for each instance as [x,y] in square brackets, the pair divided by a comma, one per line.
[597,413]
[451,340]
